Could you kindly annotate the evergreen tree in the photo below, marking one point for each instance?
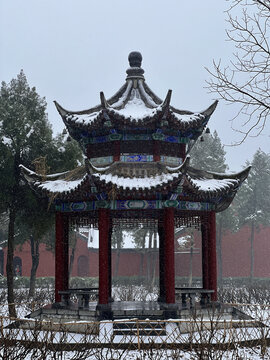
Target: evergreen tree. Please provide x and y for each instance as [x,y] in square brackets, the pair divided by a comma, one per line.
[25,134]
[253,200]
[33,223]
[66,154]
[209,154]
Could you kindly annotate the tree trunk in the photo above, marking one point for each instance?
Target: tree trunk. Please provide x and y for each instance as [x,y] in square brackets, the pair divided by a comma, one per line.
[72,256]
[34,243]
[141,272]
[9,265]
[155,258]
[252,251]
[119,238]
[148,260]
[219,252]
[191,261]
[11,231]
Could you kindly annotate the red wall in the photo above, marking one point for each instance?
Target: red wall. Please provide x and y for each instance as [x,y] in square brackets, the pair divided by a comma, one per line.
[235,249]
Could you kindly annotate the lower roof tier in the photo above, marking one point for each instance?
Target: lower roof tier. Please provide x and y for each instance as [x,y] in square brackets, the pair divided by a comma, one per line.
[153,181]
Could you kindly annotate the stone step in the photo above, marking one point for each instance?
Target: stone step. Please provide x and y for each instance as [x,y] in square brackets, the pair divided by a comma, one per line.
[145,332]
[139,328]
[140,324]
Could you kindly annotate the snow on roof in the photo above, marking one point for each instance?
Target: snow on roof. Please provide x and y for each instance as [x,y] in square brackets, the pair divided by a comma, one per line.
[83,118]
[137,183]
[135,108]
[213,184]
[59,186]
[135,102]
[145,95]
[120,101]
[188,117]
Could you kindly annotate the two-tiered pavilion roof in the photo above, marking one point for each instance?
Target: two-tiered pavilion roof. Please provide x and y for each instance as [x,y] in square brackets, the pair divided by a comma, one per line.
[136,171]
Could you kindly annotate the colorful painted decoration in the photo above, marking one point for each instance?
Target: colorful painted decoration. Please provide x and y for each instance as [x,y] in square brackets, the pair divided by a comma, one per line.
[104,160]
[135,137]
[133,205]
[170,160]
[158,136]
[136,158]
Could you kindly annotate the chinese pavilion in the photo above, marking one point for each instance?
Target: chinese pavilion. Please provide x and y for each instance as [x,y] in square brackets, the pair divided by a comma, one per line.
[136,172]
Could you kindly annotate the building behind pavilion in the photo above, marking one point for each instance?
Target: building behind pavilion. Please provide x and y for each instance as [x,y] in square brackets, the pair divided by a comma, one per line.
[136,173]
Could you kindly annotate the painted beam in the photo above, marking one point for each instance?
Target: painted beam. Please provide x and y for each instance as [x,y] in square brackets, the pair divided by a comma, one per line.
[133,205]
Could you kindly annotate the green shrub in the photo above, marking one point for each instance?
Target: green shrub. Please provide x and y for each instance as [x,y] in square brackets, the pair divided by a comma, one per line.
[83,282]
[21,282]
[45,282]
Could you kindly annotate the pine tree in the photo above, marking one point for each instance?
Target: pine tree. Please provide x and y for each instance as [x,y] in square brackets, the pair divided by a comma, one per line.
[209,154]
[25,134]
[253,200]
[66,154]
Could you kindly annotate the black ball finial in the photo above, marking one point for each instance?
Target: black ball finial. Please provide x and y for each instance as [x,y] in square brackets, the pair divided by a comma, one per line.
[135,59]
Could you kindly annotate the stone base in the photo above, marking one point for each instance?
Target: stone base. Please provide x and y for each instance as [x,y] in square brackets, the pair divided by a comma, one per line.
[104,312]
[134,309]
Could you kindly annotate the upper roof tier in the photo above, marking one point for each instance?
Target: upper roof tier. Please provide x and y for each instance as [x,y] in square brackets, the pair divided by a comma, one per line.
[136,105]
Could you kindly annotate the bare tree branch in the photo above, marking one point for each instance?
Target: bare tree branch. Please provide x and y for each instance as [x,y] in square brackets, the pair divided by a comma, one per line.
[246,80]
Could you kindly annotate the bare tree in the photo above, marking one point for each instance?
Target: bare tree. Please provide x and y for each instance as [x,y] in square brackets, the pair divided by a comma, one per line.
[246,80]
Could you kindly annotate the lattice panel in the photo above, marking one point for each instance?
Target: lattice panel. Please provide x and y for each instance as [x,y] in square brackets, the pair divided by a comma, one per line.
[190,219]
[84,220]
[131,219]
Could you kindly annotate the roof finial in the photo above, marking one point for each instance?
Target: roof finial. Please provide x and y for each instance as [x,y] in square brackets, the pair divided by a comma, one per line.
[135,71]
[135,59]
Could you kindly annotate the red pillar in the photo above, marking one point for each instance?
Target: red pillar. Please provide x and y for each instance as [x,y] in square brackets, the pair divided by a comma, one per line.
[169,255]
[103,226]
[212,257]
[61,254]
[161,263]
[205,269]
[183,151]
[110,260]
[116,151]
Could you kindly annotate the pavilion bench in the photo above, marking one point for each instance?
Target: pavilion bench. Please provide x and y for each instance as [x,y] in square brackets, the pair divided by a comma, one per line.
[83,295]
[190,294]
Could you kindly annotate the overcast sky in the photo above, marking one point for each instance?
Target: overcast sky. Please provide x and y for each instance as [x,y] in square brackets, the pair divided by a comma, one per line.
[71,50]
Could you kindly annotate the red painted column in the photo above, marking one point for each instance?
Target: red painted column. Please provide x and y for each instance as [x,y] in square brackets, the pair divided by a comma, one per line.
[161,263]
[183,151]
[61,254]
[156,150]
[205,262]
[103,226]
[212,257]
[89,151]
[116,151]
[169,255]
[110,260]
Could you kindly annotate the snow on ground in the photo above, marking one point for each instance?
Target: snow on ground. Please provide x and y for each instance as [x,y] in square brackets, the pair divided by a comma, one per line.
[200,332]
